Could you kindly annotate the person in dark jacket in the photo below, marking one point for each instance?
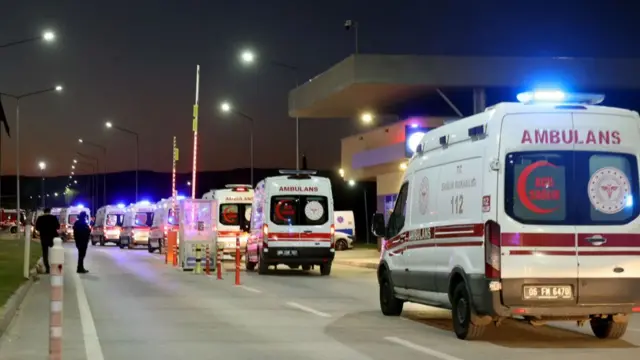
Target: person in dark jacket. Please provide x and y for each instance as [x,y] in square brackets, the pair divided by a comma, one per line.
[81,233]
[48,226]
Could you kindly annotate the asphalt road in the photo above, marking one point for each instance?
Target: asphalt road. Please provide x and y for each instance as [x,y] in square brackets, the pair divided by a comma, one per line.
[133,306]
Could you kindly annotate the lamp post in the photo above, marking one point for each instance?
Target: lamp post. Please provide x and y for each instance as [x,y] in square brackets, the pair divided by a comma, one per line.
[227,108]
[92,158]
[249,57]
[352,183]
[18,98]
[111,125]
[104,177]
[42,165]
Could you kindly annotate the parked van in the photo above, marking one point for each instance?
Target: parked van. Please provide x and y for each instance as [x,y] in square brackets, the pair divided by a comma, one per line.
[231,216]
[345,229]
[164,219]
[68,217]
[108,225]
[525,210]
[136,225]
[292,223]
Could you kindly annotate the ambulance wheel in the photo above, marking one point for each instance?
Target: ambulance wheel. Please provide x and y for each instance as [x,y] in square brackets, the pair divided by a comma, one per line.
[325,269]
[250,266]
[14,230]
[93,242]
[462,314]
[306,267]
[263,267]
[102,241]
[121,245]
[341,245]
[390,305]
[150,249]
[606,328]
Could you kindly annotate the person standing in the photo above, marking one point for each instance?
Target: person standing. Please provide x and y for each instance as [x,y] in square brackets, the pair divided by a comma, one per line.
[81,233]
[47,225]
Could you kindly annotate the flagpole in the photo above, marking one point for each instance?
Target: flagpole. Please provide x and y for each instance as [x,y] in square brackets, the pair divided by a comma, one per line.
[195,134]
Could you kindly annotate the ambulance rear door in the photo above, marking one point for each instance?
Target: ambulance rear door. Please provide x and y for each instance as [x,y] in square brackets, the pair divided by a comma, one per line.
[538,257]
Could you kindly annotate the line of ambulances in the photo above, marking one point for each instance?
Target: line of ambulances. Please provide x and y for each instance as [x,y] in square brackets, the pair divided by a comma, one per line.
[527,210]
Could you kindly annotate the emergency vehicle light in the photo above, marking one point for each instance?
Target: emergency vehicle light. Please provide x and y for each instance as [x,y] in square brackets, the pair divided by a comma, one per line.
[558,96]
[239,187]
[298,172]
[80,206]
[120,206]
[144,202]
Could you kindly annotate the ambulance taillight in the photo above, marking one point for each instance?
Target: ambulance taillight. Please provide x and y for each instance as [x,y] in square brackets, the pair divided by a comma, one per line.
[333,235]
[492,250]
[265,235]
[240,189]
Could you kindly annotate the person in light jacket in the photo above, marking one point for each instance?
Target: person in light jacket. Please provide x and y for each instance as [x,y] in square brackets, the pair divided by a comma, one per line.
[81,233]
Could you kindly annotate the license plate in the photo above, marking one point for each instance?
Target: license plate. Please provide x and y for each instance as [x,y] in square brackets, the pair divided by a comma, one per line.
[287,252]
[555,292]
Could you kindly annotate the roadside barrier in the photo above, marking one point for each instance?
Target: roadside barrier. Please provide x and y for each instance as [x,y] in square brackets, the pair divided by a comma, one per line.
[198,267]
[207,262]
[219,262]
[56,262]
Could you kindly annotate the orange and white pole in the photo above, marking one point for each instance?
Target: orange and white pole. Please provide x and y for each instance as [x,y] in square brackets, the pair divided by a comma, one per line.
[207,262]
[56,260]
[219,262]
[237,259]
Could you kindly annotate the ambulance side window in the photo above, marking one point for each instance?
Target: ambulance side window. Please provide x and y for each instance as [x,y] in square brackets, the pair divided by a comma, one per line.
[397,217]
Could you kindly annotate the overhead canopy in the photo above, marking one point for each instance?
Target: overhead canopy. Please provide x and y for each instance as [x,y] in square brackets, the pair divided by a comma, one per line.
[363,82]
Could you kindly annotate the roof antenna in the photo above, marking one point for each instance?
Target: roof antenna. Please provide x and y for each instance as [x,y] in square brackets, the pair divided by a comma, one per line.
[304,162]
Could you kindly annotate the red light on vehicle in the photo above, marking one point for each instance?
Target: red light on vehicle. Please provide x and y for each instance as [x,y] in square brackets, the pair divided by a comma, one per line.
[635,309]
[241,189]
[519,311]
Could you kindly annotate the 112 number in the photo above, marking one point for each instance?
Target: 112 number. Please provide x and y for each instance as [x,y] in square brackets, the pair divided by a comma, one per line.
[457,202]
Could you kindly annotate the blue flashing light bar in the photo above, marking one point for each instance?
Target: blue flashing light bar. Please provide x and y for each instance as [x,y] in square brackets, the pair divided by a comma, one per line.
[559,97]
[80,206]
[144,202]
[180,197]
[121,206]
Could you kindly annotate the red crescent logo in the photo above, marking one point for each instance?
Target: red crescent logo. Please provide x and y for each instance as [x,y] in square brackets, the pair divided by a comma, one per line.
[284,210]
[229,215]
[522,188]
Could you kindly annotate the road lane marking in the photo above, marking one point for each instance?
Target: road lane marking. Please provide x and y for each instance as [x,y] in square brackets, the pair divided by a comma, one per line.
[422,349]
[308,309]
[90,334]
[250,289]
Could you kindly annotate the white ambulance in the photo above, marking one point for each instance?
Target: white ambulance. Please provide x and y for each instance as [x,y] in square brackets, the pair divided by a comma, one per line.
[164,219]
[345,229]
[231,216]
[108,225]
[68,217]
[136,225]
[526,210]
[292,223]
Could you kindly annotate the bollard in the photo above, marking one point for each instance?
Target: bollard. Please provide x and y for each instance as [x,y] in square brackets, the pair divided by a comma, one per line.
[207,263]
[237,259]
[198,268]
[219,262]
[56,260]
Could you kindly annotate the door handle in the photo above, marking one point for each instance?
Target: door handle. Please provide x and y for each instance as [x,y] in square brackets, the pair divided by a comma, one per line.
[596,240]
[307,231]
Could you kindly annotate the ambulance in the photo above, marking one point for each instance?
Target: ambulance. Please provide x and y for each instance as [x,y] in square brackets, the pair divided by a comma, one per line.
[8,220]
[292,223]
[136,225]
[527,210]
[231,216]
[108,225]
[68,217]
[164,219]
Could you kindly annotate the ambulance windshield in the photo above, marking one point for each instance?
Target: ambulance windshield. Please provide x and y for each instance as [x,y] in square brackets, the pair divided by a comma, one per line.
[72,218]
[144,218]
[571,187]
[299,210]
[235,214]
[173,218]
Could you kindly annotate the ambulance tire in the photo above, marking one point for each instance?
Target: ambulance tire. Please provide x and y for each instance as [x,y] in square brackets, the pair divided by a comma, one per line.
[150,249]
[606,328]
[14,229]
[390,305]
[250,266]
[325,269]
[120,244]
[102,241]
[93,242]
[462,314]
[263,267]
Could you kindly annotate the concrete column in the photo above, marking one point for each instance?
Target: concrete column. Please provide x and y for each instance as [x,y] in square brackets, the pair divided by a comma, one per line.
[479,100]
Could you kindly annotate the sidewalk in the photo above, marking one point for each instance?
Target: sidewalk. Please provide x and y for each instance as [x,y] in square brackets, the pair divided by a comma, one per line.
[364,258]
[28,335]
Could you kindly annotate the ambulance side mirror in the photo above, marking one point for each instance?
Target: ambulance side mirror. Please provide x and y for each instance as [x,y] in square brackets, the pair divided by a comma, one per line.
[377,225]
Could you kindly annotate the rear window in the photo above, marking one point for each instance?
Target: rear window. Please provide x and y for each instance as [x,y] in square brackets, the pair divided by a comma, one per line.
[114,220]
[173,218]
[299,210]
[144,219]
[571,187]
[235,214]
[72,218]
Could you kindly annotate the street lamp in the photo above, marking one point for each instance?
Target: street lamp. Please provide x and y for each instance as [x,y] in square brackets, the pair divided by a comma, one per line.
[352,184]
[75,161]
[227,108]
[19,97]
[42,165]
[110,125]
[104,153]
[47,36]
[366,117]
[248,57]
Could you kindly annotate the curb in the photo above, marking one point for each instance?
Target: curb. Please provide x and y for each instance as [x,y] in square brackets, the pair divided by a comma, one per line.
[365,265]
[10,309]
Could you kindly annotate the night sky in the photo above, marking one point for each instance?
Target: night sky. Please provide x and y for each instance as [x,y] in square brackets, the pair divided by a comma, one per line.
[133,62]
